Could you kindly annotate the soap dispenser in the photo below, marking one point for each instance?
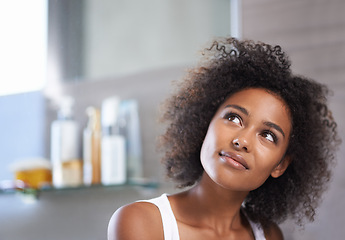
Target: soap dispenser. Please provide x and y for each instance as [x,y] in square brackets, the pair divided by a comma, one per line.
[130,128]
[66,164]
[113,147]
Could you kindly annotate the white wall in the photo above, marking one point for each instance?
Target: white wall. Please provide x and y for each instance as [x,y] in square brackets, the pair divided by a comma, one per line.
[122,37]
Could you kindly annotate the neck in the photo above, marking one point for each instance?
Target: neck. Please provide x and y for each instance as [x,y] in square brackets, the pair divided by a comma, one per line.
[220,206]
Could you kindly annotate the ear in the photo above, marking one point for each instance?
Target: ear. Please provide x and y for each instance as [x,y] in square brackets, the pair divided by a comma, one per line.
[282,166]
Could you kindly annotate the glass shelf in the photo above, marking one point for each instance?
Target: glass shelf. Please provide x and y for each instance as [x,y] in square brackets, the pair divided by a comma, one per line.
[10,187]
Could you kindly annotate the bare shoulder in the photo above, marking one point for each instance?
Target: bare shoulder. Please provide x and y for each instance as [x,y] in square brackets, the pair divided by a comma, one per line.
[274,232]
[139,220]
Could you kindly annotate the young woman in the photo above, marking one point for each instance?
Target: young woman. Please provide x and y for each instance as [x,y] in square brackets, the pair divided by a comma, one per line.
[253,142]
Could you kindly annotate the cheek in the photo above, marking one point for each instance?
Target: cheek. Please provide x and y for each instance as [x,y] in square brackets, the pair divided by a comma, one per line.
[207,147]
[267,161]
[212,142]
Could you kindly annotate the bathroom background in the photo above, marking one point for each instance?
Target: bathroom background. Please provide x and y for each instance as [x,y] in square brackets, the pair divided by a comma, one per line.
[81,63]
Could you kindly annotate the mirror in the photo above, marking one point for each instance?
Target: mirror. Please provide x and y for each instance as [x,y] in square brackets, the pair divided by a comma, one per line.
[89,40]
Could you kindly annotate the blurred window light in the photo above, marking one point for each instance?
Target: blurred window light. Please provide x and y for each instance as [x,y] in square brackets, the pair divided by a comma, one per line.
[23,45]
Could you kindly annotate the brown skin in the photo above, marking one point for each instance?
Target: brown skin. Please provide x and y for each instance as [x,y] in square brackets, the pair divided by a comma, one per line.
[252,125]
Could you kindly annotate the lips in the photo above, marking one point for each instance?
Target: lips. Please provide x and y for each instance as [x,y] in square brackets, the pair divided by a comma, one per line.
[234,160]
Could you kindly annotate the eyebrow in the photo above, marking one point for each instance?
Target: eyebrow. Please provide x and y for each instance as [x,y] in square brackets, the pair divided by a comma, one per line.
[243,110]
[276,127]
[268,124]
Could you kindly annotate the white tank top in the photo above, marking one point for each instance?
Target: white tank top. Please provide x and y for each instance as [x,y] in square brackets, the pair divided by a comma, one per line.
[170,228]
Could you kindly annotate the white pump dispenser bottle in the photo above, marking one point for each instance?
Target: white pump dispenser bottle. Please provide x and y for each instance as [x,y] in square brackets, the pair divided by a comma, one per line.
[113,147]
[66,164]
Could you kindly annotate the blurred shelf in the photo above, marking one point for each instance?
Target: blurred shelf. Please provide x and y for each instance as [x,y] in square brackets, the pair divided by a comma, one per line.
[14,187]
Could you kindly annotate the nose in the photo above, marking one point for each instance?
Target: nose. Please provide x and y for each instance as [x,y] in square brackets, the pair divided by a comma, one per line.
[240,143]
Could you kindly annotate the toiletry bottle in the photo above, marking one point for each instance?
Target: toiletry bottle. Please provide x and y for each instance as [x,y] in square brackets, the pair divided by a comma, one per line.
[113,147]
[130,128]
[66,164]
[92,148]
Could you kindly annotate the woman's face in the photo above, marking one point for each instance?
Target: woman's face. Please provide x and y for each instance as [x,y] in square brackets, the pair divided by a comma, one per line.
[246,140]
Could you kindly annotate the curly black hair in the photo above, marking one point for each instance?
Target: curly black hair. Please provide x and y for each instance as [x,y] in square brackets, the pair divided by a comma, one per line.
[227,67]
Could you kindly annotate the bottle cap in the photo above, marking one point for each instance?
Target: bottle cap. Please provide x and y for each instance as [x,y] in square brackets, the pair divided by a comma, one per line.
[110,110]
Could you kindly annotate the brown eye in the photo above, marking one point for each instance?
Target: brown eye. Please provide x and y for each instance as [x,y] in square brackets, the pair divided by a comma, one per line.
[232,117]
[269,136]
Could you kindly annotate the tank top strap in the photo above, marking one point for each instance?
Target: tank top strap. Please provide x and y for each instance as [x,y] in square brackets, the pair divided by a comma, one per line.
[168,219]
[256,228]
